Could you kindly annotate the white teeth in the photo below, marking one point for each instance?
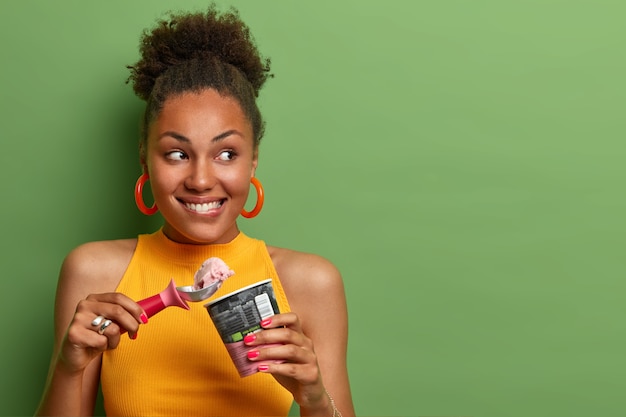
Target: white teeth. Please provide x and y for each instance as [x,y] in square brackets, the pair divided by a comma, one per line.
[203,208]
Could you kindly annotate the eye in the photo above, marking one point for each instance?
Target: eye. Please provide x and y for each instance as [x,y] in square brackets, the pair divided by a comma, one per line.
[228,155]
[176,155]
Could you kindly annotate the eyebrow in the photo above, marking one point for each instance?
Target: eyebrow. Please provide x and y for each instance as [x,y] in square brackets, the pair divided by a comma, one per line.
[183,138]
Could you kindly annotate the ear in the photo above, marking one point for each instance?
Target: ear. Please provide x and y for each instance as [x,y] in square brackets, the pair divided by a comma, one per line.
[255,162]
[144,166]
[142,157]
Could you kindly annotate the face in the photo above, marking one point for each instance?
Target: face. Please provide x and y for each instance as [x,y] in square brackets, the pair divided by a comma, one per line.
[200,158]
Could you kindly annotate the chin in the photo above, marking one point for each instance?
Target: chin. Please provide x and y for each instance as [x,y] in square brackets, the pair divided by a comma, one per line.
[202,234]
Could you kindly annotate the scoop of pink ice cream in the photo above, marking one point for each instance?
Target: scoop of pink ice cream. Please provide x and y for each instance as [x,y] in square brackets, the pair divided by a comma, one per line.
[212,270]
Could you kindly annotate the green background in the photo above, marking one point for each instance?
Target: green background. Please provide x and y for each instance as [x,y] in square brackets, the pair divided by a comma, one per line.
[461,162]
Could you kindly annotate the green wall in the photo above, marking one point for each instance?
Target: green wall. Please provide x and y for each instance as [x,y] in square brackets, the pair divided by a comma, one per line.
[462,162]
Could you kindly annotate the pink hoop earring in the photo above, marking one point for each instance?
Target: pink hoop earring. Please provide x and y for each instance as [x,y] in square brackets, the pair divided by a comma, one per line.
[260,199]
[148,211]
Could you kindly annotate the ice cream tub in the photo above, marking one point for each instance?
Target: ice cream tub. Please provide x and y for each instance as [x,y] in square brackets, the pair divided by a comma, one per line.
[239,313]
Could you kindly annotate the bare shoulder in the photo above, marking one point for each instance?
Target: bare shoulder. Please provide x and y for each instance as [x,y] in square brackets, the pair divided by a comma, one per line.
[309,280]
[97,266]
[301,271]
[91,268]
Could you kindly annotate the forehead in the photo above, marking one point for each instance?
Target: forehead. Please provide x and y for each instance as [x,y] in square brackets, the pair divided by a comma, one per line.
[204,112]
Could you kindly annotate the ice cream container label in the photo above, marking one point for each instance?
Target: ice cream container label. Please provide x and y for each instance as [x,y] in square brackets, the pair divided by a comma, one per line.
[239,313]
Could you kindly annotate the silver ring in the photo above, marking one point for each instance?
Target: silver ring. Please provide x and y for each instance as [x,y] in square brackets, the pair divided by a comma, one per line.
[97,321]
[104,326]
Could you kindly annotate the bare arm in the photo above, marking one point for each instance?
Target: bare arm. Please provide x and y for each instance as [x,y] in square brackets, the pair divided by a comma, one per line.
[73,376]
[319,328]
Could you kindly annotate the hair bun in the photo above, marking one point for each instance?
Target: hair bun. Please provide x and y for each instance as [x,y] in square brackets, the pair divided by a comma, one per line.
[198,36]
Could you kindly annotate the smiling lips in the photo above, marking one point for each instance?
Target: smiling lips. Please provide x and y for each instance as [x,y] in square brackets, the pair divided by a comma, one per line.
[204,207]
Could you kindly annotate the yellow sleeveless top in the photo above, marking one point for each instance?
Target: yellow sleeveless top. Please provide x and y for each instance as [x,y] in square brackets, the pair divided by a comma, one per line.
[178,365]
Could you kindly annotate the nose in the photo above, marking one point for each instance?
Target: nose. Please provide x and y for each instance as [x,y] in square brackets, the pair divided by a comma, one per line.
[201,176]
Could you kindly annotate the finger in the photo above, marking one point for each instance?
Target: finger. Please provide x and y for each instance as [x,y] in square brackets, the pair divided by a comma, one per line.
[290,320]
[120,317]
[283,353]
[124,301]
[123,320]
[111,333]
[93,307]
[80,337]
[100,321]
[305,374]
[282,335]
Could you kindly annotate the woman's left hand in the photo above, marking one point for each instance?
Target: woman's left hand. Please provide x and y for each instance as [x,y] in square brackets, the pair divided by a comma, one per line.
[298,371]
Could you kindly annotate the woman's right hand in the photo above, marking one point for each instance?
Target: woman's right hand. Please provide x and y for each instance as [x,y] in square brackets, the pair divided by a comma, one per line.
[86,337]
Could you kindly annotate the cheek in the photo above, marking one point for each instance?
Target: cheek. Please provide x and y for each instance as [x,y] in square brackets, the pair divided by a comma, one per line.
[160,181]
[238,183]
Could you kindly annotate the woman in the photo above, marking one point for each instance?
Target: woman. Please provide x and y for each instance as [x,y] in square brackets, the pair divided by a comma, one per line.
[200,75]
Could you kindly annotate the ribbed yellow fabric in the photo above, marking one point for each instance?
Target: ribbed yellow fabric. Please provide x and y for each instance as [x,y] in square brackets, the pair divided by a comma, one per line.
[178,365]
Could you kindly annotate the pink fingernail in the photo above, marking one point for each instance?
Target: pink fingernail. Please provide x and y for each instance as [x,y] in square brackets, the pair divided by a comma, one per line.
[144,318]
[266,322]
[253,354]
[133,337]
[249,338]
[263,368]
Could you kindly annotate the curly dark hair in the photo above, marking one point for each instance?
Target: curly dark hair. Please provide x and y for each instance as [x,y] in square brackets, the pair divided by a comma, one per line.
[191,52]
